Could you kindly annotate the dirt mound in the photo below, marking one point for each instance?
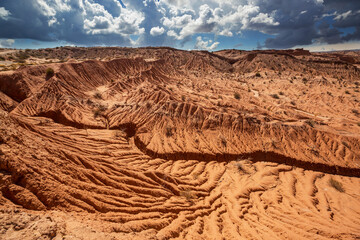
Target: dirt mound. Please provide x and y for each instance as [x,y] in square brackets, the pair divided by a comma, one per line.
[162,143]
[6,103]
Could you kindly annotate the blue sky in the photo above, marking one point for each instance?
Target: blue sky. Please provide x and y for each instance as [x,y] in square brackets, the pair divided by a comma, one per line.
[186,24]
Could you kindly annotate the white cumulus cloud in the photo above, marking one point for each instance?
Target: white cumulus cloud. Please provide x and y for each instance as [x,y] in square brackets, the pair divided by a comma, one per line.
[157,31]
[6,43]
[97,20]
[343,15]
[205,45]
[264,18]
[4,14]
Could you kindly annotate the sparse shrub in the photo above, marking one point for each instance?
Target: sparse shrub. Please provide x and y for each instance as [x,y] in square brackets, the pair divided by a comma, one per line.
[148,105]
[169,131]
[358,124]
[99,111]
[49,73]
[257,74]
[188,194]
[293,103]
[347,92]
[310,122]
[223,141]
[21,56]
[239,167]
[281,93]
[345,144]
[89,102]
[2,58]
[275,96]
[329,93]
[355,111]
[196,176]
[315,151]
[236,95]
[183,98]
[118,134]
[337,185]
[97,95]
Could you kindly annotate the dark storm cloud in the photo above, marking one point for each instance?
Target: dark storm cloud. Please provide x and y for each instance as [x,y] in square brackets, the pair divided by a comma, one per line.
[290,38]
[303,23]
[297,22]
[341,5]
[77,22]
[328,34]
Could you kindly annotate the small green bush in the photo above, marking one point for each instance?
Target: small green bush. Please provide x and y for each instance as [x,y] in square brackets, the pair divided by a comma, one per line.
[22,55]
[239,166]
[169,131]
[310,122]
[188,194]
[49,73]
[345,144]
[258,74]
[223,141]
[236,95]
[275,96]
[97,95]
[337,185]
[99,111]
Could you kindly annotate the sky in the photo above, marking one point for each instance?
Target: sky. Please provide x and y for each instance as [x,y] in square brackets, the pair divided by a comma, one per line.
[317,25]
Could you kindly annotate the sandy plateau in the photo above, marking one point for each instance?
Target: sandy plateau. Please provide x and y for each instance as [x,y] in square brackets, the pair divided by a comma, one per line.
[159,143]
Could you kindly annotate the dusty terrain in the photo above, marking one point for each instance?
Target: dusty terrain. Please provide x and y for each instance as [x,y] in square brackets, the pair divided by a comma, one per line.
[159,143]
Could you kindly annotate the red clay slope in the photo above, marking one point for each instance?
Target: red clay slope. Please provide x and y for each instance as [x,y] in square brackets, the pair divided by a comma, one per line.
[188,144]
